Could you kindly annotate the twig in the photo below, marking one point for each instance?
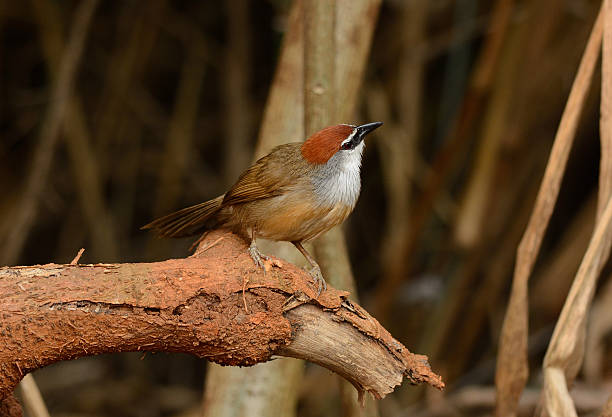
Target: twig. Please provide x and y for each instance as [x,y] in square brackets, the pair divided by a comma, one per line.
[77,257]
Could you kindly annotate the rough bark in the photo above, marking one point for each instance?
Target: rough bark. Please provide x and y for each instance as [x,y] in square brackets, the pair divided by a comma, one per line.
[195,305]
[10,407]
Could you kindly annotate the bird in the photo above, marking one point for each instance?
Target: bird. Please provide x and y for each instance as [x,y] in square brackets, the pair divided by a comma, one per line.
[295,193]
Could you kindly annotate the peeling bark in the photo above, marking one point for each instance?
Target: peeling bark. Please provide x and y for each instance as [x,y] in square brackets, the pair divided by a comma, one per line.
[195,305]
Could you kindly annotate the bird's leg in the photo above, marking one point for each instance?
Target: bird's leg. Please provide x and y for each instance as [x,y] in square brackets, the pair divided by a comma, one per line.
[259,259]
[257,256]
[315,272]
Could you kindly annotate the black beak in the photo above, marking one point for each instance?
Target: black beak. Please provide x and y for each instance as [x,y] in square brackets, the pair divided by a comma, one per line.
[360,134]
[363,130]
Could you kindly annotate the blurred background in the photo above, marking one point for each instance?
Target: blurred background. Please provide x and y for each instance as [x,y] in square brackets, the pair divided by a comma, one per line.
[163,110]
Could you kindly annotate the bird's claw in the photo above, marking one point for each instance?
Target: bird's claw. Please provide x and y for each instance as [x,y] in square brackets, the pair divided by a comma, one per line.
[319,281]
[258,257]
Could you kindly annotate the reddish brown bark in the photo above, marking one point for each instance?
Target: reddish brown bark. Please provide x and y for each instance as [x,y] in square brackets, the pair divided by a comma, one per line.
[194,305]
[10,407]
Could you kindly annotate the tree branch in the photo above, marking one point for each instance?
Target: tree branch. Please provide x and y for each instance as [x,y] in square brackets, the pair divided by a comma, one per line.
[195,305]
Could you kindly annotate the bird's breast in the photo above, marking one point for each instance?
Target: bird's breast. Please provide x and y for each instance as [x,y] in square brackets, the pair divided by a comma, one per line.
[339,181]
[338,187]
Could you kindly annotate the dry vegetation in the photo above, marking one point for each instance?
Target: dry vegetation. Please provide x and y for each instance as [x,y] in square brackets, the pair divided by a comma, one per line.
[482,234]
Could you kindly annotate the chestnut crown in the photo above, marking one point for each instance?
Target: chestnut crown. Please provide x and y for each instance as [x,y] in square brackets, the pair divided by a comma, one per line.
[321,146]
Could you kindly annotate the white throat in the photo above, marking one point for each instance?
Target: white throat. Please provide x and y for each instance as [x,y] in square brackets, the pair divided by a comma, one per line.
[339,180]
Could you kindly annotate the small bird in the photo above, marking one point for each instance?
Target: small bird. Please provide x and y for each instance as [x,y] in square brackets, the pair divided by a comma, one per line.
[295,193]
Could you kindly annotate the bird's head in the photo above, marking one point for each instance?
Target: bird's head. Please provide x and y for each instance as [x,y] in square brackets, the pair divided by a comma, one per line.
[321,146]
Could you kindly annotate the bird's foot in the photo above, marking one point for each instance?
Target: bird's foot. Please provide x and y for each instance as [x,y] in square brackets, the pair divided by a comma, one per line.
[319,281]
[258,257]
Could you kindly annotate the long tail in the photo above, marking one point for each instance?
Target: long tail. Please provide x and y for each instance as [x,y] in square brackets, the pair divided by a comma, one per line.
[188,221]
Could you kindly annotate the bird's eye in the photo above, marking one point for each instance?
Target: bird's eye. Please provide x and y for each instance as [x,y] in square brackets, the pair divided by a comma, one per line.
[346,145]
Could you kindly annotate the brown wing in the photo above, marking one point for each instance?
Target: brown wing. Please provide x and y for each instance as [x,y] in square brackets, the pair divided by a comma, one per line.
[270,176]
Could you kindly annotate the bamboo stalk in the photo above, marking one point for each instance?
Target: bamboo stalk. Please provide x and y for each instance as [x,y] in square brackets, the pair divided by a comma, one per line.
[512,369]
[566,349]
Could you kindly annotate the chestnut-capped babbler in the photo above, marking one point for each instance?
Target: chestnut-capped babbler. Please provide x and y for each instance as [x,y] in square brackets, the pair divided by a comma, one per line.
[295,193]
